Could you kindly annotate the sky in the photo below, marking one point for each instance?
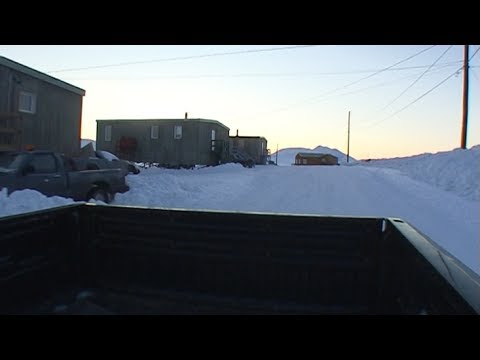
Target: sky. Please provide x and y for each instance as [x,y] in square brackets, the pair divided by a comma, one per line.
[438,194]
[293,96]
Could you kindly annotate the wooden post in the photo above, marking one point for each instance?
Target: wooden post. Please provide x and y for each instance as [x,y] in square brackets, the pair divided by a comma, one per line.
[276,156]
[463,143]
[348,139]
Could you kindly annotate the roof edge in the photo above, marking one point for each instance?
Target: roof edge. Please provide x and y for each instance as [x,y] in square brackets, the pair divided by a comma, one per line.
[247,137]
[179,120]
[41,76]
[314,154]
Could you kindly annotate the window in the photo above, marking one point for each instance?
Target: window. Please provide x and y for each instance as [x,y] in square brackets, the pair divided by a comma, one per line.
[154,132]
[43,164]
[6,139]
[304,161]
[213,140]
[177,133]
[108,132]
[27,102]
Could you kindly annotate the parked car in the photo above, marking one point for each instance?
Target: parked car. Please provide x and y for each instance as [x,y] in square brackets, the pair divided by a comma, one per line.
[130,166]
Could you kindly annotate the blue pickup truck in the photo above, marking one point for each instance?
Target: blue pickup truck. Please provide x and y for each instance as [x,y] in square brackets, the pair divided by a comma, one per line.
[55,174]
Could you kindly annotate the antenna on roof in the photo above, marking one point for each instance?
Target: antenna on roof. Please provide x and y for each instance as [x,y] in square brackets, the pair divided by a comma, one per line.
[186,115]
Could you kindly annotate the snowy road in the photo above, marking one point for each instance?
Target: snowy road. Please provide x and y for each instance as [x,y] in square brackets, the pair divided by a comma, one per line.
[451,221]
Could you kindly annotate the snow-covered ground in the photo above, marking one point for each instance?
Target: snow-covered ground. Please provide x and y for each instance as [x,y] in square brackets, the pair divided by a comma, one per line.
[436,193]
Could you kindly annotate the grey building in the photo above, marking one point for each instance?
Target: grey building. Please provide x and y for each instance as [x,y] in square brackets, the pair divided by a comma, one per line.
[38,110]
[169,142]
[249,147]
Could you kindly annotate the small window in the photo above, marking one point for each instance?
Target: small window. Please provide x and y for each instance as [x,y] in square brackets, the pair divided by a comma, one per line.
[304,161]
[213,140]
[154,132]
[177,133]
[27,102]
[108,132]
[6,139]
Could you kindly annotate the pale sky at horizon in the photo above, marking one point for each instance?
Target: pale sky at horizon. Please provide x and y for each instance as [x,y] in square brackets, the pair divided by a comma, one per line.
[288,96]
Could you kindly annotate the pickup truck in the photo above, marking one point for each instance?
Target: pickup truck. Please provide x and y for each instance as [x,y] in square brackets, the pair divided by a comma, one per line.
[90,259]
[54,174]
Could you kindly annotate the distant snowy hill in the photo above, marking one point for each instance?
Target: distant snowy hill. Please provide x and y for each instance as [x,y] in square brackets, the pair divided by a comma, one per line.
[286,157]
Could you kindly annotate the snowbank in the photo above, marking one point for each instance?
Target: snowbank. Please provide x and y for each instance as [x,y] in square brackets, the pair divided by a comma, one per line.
[27,201]
[456,171]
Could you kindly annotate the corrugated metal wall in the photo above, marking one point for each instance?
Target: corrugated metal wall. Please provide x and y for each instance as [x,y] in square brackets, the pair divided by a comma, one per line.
[55,125]
[194,147]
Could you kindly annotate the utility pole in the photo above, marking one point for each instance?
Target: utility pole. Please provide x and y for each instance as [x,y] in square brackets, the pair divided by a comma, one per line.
[465,98]
[348,139]
[276,156]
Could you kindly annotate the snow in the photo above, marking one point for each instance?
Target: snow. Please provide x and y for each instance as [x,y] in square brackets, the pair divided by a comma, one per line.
[84,142]
[436,193]
[28,200]
[457,171]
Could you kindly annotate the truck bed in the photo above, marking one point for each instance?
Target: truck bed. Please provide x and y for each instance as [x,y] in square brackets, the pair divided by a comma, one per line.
[87,259]
[170,302]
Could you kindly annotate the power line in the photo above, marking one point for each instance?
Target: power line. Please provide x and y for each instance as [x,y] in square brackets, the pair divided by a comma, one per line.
[377,85]
[387,83]
[417,79]
[382,70]
[374,86]
[417,99]
[357,81]
[456,72]
[202,76]
[185,58]
[475,53]
[471,67]
[474,74]
[377,113]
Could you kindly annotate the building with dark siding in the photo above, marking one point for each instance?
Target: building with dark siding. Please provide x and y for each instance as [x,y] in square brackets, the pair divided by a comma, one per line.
[249,147]
[315,159]
[169,142]
[38,110]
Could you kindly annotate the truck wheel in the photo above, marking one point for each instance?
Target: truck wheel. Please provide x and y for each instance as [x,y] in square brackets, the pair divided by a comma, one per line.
[99,194]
